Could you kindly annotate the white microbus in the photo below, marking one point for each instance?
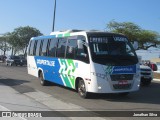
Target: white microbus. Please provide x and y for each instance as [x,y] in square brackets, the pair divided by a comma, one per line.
[87,61]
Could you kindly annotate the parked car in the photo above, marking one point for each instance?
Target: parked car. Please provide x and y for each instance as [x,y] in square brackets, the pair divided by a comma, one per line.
[14,60]
[23,60]
[153,66]
[146,75]
[2,58]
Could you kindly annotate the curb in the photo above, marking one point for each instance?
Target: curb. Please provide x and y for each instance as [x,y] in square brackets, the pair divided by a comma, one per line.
[156,79]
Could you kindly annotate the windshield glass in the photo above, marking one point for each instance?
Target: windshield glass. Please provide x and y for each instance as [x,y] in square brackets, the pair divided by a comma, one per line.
[112,50]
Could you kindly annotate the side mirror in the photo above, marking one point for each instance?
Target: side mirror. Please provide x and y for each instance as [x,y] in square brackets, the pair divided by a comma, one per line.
[135,45]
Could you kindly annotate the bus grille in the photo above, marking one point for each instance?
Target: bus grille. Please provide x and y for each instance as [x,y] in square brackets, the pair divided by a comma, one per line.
[145,73]
[122,77]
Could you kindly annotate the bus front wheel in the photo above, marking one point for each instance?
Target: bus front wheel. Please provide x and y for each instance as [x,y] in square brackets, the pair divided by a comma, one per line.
[82,89]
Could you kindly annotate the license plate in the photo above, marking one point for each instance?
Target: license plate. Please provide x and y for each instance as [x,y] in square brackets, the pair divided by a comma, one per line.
[123,82]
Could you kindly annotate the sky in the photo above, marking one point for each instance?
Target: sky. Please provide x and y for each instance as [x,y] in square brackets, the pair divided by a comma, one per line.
[78,14]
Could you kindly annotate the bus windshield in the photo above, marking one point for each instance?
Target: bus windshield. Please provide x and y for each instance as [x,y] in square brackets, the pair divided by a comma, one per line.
[112,50]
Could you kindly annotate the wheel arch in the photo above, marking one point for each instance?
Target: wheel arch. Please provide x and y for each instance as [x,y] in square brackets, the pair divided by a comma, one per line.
[77,81]
[40,71]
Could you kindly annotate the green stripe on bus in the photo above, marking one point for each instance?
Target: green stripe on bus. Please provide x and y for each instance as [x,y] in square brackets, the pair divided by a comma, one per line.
[71,77]
[60,35]
[67,34]
[65,78]
[62,72]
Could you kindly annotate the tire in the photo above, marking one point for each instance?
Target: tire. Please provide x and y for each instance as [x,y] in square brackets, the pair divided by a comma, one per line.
[82,89]
[42,81]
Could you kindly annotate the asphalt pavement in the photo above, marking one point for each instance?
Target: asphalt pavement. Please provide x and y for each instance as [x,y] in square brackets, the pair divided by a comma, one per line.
[26,103]
[22,92]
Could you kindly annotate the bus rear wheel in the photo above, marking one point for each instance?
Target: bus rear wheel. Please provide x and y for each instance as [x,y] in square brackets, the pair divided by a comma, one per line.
[42,81]
[82,89]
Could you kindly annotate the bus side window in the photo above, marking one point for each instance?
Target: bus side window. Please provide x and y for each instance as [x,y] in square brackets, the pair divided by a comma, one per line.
[71,49]
[40,50]
[44,47]
[82,51]
[82,54]
[61,48]
[31,48]
[35,46]
[52,48]
[38,47]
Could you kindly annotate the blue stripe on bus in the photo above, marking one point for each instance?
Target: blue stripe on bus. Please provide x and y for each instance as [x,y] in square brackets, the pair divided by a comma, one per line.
[124,69]
[50,67]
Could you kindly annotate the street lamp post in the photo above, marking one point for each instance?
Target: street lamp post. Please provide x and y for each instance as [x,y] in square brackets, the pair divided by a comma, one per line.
[54,16]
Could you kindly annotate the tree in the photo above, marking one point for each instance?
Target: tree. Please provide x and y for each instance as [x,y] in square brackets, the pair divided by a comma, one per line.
[127,28]
[14,43]
[20,37]
[4,46]
[145,38]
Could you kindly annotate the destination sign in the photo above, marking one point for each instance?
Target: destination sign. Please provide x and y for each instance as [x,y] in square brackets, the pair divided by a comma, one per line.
[121,39]
[98,39]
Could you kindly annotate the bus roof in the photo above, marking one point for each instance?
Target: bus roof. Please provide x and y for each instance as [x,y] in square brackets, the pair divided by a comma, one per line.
[85,31]
[68,33]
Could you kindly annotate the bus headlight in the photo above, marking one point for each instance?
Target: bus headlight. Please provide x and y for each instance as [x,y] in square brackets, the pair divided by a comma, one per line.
[137,76]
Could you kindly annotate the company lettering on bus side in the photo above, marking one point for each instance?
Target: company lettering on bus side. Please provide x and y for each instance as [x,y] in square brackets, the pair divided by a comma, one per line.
[46,62]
